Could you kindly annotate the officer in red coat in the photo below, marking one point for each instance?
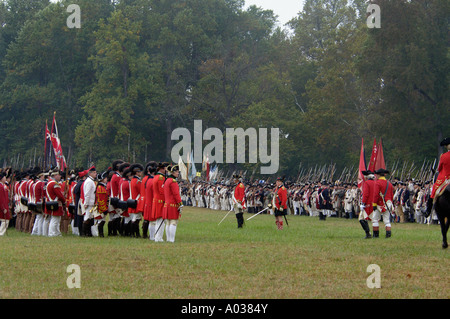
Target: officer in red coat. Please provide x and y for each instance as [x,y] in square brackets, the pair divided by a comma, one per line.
[137,171]
[149,222]
[172,203]
[279,202]
[56,203]
[383,199]
[158,200]
[366,209]
[443,168]
[114,211]
[141,202]
[239,200]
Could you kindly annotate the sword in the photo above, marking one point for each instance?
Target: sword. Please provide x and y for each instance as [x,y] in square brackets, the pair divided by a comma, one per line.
[258,213]
[225,216]
[162,222]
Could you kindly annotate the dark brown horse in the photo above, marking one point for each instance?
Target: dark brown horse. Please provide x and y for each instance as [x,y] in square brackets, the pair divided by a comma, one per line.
[442,209]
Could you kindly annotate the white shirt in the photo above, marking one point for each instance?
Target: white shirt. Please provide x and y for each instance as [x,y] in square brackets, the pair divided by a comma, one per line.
[89,191]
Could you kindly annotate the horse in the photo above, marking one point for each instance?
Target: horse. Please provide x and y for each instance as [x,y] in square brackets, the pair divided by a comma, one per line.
[442,209]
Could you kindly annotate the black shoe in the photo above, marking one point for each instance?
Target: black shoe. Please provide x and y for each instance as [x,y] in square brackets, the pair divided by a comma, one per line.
[376,233]
[388,233]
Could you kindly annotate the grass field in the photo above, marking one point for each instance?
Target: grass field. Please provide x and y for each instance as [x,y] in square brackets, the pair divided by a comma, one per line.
[309,259]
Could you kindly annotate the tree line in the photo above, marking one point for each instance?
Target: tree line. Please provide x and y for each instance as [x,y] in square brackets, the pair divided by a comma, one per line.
[137,69]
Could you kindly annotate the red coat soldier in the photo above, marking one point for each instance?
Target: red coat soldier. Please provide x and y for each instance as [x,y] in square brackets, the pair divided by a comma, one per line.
[149,222]
[137,170]
[239,200]
[55,203]
[279,202]
[366,208]
[383,199]
[158,200]
[172,203]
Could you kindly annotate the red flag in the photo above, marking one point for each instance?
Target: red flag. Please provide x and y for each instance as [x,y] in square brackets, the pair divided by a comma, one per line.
[49,154]
[373,157]
[207,168]
[60,160]
[380,157]
[362,165]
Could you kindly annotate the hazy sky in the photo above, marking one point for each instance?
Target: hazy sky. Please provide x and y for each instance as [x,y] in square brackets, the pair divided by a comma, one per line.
[285,9]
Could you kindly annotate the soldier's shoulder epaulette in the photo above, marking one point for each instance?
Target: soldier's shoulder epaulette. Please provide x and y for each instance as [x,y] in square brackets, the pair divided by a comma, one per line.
[161,177]
[57,185]
[283,188]
[241,185]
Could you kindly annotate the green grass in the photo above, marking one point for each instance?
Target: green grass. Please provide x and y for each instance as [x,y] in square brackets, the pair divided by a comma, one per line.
[308,259]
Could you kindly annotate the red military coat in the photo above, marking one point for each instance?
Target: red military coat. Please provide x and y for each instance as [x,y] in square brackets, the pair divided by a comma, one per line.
[54,193]
[135,191]
[239,194]
[101,199]
[380,187]
[141,201]
[4,202]
[172,199]
[368,194]
[148,198]
[280,198]
[158,196]
[444,172]
[115,185]
[124,194]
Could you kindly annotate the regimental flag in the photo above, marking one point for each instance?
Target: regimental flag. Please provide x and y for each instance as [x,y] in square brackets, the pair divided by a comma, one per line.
[183,168]
[192,168]
[56,143]
[49,154]
[362,165]
[373,157]
[207,168]
[379,163]
[213,173]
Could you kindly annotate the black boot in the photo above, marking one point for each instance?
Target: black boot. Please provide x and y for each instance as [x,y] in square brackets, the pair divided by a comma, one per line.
[365,226]
[110,228]
[137,232]
[429,207]
[145,224]
[100,228]
[376,233]
[121,226]
[116,226]
[87,228]
[388,233]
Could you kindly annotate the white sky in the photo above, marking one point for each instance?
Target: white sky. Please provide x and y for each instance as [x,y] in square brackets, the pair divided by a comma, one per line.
[285,9]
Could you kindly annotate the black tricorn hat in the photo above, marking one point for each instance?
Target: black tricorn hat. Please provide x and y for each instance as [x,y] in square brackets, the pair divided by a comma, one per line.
[116,164]
[123,166]
[381,171]
[445,141]
[175,168]
[365,173]
[136,168]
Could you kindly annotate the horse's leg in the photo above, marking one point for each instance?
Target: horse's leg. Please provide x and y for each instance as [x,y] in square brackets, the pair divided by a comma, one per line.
[444,233]
[444,228]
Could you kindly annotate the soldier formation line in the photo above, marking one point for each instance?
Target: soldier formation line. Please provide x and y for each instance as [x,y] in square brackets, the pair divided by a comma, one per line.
[140,201]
